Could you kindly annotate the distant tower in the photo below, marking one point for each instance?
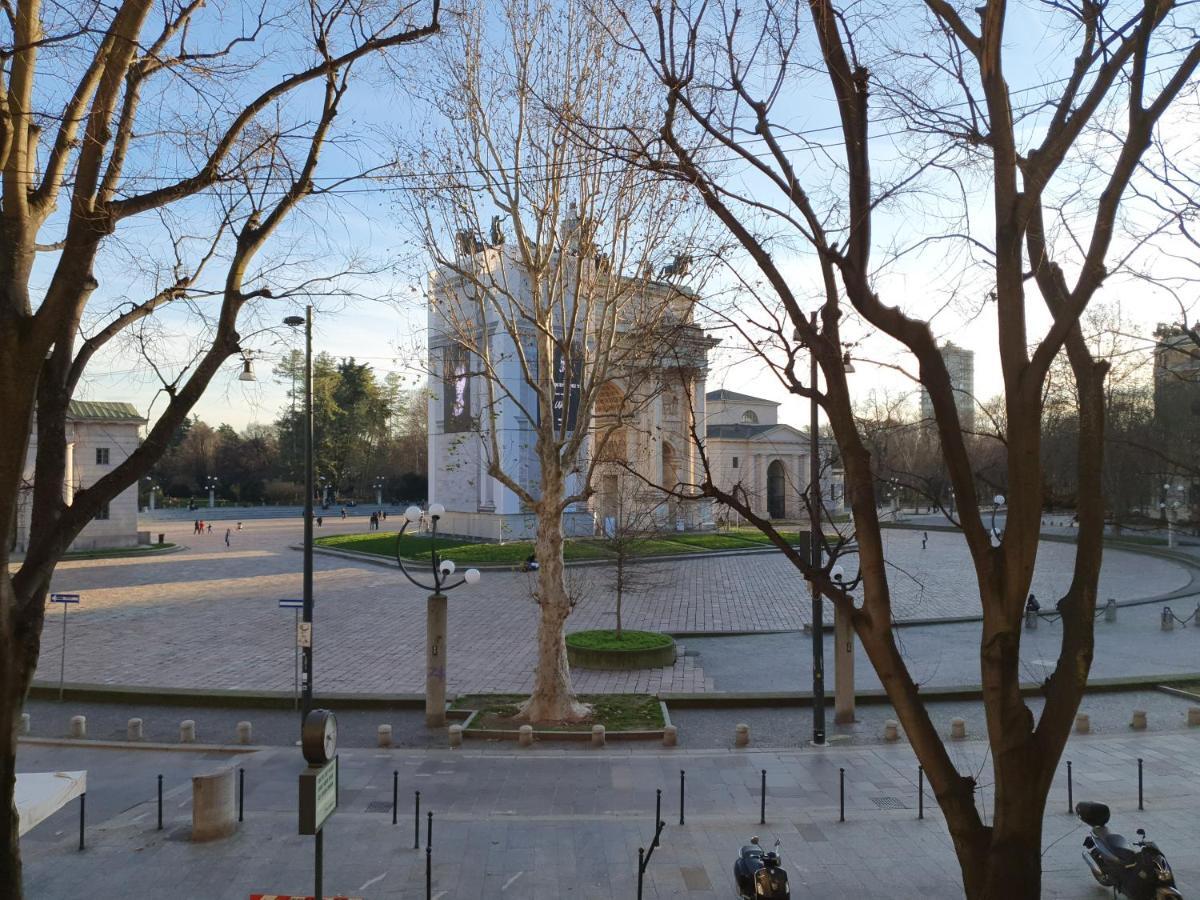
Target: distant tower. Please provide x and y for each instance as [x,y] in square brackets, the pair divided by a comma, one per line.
[960,363]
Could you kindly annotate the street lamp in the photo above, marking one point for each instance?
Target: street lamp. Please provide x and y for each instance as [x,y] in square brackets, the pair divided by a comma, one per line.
[380,481]
[307,612]
[997,502]
[435,610]
[211,483]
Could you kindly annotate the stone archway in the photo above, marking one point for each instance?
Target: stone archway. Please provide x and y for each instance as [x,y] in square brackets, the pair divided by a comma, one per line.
[776,491]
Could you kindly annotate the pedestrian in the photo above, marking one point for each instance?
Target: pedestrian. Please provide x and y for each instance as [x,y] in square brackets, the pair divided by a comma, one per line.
[1032,605]
[385,515]
[195,526]
[200,527]
[210,527]
[374,522]
[924,539]
[320,521]
[228,531]
[343,512]
[239,526]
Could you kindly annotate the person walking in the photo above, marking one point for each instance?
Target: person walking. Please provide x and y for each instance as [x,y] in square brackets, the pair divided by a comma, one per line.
[210,527]
[228,531]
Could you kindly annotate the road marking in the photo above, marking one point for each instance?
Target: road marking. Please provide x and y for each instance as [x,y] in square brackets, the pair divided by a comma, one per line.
[508,883]
[139,818]
[375,880]
[439,895]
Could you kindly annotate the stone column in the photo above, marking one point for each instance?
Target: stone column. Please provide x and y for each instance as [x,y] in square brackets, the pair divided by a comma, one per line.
[435,661]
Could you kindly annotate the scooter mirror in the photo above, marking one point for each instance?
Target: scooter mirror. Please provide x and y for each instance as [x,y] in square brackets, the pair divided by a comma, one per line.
[1141,832]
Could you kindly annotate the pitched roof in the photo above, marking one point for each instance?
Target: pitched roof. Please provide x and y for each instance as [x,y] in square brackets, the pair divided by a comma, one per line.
[103,411]
[735,397]
[742,432]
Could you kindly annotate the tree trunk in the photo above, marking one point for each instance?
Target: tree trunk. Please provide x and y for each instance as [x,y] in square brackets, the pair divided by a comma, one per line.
[552,699]
[16,671]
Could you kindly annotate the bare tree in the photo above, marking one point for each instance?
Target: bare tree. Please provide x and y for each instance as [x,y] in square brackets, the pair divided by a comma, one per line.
[1054,177]
[84,155]
[563,305]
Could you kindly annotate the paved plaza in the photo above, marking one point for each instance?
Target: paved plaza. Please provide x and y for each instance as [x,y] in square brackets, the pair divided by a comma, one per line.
[552,822]
[207,617]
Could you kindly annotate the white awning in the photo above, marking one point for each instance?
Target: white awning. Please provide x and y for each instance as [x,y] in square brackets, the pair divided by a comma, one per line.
[42,794]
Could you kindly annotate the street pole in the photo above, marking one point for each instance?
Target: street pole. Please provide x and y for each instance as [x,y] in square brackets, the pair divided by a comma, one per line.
[306,706]
[818,618]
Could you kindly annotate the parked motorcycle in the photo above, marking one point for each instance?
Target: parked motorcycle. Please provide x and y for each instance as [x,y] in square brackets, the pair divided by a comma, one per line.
[1140,871]
[758,873]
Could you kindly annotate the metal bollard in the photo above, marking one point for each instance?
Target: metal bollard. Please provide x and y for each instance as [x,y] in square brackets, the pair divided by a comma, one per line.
[241,793]
[1110,611]
[762,801]
[417,822]
[429,829]
[1070,791]
[428,873]
[1168,619]
[160,803]
[657,813]
[681,774]
[82,816]
[395,795]
[920,792]
[842,794]
[641,869]
[1140,804]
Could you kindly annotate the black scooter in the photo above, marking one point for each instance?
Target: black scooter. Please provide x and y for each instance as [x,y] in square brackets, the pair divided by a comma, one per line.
[1140,872]
[758,873]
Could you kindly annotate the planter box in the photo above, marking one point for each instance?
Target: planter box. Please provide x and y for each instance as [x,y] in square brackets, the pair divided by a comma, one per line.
[654,658]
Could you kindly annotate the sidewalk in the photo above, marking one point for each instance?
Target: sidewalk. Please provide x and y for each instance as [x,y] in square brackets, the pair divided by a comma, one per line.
[545,823]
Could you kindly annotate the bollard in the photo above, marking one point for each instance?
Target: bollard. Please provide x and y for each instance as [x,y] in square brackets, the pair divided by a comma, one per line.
[1070,791]
[1083,723]
[657,814]
[891,730]
[681,773]
[842,794]
[1138,722]
[920,792]
[1031,620]
[78,726]
[25,724]
[1168,619]
[762,800]
[1194,716]
[525,736]
[160,803]
[1140,806]
[428,873]
[241,793]
[456,733]
[245,733]
[395,795]
[1110,611]
[597,735]
[429,829]
[384,735]
[417,822]
[958,729]
[641,869]
[741,735]
[670,736]
[187,731]
[133,729]
[82,816]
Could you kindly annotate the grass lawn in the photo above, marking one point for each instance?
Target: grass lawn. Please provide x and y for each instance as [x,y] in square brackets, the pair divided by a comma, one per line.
[608,640]
[616,712]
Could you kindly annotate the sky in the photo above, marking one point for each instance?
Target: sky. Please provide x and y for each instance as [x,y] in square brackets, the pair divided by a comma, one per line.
[385,325]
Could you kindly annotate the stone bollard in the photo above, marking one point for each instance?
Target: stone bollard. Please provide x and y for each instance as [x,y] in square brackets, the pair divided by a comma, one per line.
[78,727]
[133,730]
[245,733]
[670,736]
[1110,611]
[1083,724]
[214,805]
[1139,720]
[597,735]
[525,736]
[1168,619]
[455,735]
[1194,716]
[741,735]
[958,729]
[1031,620]
[187,731]
[383,735]
[891,730]
[25,723]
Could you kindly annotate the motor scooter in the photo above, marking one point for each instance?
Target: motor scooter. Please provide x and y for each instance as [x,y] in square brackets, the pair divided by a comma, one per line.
[758,873]
[1140,871]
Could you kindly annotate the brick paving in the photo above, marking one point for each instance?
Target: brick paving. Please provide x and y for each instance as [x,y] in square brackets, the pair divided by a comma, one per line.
[552,822]
[207,616]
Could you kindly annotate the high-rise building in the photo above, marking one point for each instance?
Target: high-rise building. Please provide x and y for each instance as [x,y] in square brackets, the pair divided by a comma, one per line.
[960,363]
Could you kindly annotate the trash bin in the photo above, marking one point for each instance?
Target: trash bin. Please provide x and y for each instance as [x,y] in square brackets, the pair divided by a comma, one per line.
[161,538]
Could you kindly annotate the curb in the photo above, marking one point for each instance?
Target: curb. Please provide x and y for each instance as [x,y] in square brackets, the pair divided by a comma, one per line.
[195,747]
[130,694]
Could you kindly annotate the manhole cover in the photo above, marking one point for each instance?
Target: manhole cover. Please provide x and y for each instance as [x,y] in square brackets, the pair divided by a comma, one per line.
[888,803]
[379,806]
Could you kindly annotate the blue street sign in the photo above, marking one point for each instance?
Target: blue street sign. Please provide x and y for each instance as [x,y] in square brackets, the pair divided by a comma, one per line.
[291,604]
[64,598]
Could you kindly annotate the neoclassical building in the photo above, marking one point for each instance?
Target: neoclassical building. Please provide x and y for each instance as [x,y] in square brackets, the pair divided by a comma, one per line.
[747,445]
[644,415]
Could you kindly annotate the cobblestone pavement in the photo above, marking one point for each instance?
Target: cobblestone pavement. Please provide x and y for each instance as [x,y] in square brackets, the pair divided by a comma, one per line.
[554,823]
[207,616]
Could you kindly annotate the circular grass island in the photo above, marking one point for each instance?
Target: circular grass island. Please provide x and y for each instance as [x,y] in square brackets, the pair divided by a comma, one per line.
[602,649]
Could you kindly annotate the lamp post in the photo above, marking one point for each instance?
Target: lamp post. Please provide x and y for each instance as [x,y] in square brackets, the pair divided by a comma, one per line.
[814,548]
[379,483]
[997,502]
[435,611]
[304,637]
[211,483]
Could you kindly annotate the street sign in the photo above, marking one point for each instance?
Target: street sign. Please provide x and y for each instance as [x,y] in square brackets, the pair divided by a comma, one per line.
[291,604]
[64,598]
[304,634]
[318,795]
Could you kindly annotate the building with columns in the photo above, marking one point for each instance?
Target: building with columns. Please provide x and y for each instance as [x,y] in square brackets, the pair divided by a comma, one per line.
[100,436]
[644,415]
[748,446]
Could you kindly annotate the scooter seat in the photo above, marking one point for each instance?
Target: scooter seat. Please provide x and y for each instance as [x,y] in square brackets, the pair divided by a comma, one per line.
[1115,844]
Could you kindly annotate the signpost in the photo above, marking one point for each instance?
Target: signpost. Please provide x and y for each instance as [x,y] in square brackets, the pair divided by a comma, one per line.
[66,600]
[318,783]
[297,605]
